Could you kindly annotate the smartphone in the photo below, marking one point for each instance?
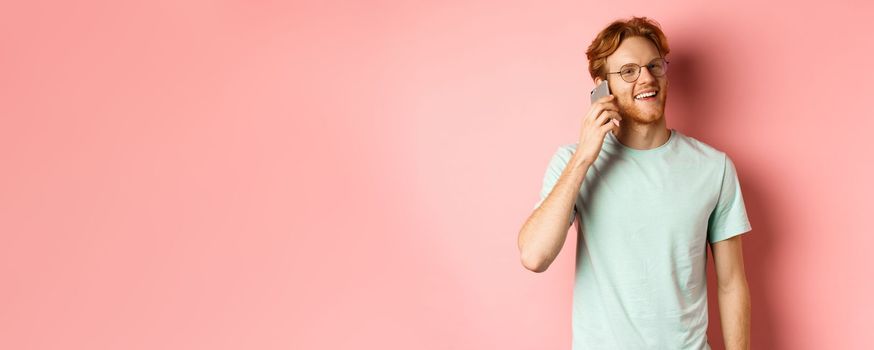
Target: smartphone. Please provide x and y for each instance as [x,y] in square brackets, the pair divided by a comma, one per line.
[600,91]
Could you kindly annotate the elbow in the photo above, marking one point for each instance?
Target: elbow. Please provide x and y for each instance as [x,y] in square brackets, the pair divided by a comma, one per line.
[736,285]
[534,263]
[532,259]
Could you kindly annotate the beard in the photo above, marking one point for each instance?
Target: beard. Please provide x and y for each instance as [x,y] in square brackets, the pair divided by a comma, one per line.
[629,110]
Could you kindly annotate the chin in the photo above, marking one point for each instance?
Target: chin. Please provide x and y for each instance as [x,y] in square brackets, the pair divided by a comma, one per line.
[645,117]
[644,120]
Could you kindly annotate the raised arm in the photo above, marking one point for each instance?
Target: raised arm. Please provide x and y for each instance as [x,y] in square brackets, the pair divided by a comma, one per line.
[545,230]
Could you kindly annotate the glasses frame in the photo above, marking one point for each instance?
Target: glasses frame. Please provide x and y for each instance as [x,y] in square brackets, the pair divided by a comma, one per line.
[639,67]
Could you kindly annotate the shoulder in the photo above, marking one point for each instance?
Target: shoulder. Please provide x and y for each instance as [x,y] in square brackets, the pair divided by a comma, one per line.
[705,159]
[564,152]
[700,149]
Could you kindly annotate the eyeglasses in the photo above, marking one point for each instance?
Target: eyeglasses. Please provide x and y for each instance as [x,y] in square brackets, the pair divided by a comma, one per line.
[630,72]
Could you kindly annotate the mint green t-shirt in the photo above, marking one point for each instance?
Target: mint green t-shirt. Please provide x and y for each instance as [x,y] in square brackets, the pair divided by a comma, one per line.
[645,218]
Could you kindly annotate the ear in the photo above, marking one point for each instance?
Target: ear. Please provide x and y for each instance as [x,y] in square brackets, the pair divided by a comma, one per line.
[598,80]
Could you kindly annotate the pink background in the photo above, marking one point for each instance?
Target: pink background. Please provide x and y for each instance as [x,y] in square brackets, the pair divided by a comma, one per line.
[337,175]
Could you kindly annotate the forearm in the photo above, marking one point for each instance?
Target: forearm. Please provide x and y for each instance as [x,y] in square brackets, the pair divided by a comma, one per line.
[734,312]
[545,231]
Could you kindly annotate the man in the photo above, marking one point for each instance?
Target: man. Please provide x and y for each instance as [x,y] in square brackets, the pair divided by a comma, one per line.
[648,200]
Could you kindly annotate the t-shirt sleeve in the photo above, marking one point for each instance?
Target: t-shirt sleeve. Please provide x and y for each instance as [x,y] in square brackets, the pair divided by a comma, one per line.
[729,216]
[556,166]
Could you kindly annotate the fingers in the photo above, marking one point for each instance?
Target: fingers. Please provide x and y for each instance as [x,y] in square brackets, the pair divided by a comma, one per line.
[600,112]
[606,115]
[604,106]
[609,126]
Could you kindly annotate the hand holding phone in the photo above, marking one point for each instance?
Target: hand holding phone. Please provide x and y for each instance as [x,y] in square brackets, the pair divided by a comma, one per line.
[602,117]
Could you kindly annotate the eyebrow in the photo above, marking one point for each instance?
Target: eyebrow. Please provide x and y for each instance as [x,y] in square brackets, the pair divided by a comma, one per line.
[647,62]
[650,60]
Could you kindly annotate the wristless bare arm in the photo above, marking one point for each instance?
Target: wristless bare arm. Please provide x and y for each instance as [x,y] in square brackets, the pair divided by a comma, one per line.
[545,231]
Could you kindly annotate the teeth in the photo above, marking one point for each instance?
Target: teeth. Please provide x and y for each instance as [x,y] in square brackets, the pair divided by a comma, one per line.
[645,94]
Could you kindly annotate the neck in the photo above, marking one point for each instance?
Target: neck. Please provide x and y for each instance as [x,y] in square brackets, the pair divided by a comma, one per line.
[642,136]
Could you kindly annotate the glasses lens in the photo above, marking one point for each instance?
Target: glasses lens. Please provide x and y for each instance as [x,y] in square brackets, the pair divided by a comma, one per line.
[658,67]
[629,72]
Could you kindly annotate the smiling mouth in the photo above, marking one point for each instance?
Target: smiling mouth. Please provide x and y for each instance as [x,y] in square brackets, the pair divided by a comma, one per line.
[647,96]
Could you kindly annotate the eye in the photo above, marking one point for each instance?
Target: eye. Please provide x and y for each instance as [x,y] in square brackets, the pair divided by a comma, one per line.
[656,68]
[627,70]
